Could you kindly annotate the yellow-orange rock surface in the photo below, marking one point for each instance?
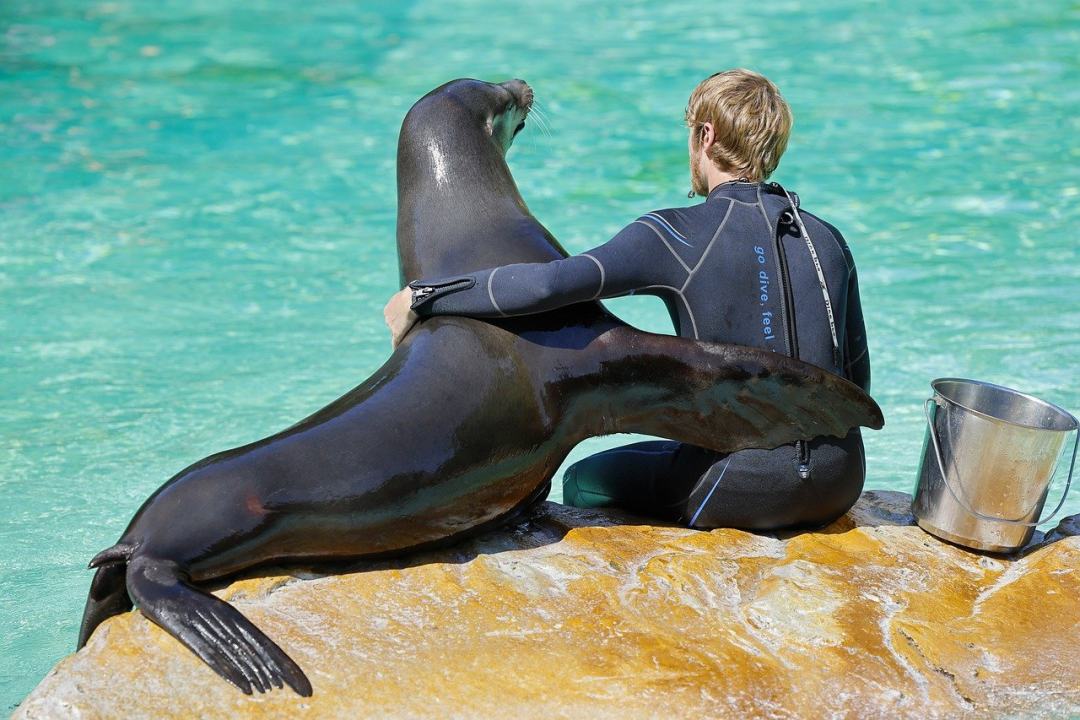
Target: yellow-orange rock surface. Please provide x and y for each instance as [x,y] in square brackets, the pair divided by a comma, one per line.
[585,614]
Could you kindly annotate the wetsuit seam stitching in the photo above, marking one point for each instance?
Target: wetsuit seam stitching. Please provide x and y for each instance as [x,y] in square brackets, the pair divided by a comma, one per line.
[667,225]
[709,247]
[690,313]
[764,214]
[711,491]
[491,292]
[686,303]
[601,267]
[666,244]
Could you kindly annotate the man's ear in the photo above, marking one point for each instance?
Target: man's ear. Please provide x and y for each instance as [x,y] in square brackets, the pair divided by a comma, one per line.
[707,136]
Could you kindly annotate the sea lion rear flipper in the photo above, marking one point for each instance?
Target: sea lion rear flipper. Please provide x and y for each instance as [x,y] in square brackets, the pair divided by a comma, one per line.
[212,629]
[731,397]
[108,596]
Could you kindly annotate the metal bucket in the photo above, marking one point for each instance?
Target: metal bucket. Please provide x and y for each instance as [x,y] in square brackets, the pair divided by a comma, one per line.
[987,464]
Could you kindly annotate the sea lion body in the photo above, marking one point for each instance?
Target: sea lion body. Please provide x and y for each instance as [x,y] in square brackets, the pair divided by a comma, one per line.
[463,426]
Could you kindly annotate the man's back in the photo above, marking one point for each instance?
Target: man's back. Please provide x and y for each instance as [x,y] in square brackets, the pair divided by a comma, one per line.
[723,280]
[732,269]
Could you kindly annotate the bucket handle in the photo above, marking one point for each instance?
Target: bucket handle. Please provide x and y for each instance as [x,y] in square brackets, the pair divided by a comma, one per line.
[976,513]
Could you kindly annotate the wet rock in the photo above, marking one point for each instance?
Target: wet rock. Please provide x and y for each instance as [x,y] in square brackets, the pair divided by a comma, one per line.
[589,614]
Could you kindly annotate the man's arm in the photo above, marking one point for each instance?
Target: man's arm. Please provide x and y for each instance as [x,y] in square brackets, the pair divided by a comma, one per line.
[632,260]
[625,263]
[517,289]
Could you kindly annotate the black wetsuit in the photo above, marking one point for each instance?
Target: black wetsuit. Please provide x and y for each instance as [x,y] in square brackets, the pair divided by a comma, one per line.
[717,267]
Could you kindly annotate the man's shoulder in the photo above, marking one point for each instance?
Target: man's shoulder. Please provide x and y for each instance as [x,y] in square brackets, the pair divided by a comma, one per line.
[672,223]
[817,227]
[809,218]
[673,215]
[815,218]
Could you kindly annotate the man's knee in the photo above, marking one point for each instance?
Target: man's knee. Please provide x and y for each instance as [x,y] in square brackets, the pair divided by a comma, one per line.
[571,494]
[831,501]
[790,504]
[579,490]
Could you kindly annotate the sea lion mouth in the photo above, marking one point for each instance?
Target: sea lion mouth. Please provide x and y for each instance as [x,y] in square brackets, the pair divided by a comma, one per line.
[510,114]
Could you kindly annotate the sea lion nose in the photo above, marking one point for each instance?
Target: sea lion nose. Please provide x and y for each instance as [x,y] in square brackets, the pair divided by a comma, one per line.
[521,91]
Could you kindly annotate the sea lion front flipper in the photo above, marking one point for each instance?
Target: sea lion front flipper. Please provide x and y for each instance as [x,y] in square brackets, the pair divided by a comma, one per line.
[212,629]
[728,397]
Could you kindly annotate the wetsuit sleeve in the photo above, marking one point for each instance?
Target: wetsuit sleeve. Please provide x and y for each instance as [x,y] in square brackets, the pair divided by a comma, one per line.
[856,353]
[623,264]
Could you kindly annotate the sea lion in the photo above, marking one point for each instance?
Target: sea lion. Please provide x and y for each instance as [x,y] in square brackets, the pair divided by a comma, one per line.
[461,428]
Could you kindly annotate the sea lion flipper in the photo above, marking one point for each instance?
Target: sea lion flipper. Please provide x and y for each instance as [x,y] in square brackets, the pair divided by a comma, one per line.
[731,397]
[212,629]
[108,596]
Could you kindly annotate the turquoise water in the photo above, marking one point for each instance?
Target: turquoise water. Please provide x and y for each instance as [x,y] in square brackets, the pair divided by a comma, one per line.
[197,211]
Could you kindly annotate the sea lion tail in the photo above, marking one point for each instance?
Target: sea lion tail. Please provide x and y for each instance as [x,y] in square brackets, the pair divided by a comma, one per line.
[120,552]
[108,596]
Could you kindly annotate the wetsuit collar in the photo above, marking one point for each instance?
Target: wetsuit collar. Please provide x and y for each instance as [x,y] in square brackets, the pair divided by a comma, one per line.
[736,190]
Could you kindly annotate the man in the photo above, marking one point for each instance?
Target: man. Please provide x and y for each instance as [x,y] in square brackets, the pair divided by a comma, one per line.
[746,267]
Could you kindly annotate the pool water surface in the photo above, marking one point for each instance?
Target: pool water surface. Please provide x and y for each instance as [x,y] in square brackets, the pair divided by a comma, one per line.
[197,212]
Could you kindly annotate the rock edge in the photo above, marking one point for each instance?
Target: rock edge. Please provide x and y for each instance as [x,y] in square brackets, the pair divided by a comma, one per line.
[576,613]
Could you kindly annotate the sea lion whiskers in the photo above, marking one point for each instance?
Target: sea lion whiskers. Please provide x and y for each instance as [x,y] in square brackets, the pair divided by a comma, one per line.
[537,114]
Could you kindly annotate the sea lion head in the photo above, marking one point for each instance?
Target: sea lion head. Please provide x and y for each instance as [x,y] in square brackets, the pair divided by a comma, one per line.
[454,185]
[496,111]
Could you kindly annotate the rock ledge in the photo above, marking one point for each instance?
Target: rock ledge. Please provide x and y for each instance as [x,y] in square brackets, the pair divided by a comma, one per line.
[586,614]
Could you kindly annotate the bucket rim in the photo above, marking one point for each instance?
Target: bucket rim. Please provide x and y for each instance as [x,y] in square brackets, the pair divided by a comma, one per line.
[1075,423]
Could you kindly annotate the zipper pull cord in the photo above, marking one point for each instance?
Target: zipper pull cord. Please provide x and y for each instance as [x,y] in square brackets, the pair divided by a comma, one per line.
[821,277]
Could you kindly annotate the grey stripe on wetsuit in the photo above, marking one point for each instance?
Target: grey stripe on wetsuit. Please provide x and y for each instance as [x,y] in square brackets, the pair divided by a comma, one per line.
[717,269]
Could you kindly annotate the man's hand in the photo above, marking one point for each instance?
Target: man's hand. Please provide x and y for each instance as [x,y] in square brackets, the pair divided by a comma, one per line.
[399,315]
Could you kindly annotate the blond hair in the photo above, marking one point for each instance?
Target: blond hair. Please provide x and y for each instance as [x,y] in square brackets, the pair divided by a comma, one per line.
[751,122]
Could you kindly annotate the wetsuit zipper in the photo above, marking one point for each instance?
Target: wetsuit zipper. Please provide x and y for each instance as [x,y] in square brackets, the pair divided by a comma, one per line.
[802,451]
[424,293]
[788,311]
